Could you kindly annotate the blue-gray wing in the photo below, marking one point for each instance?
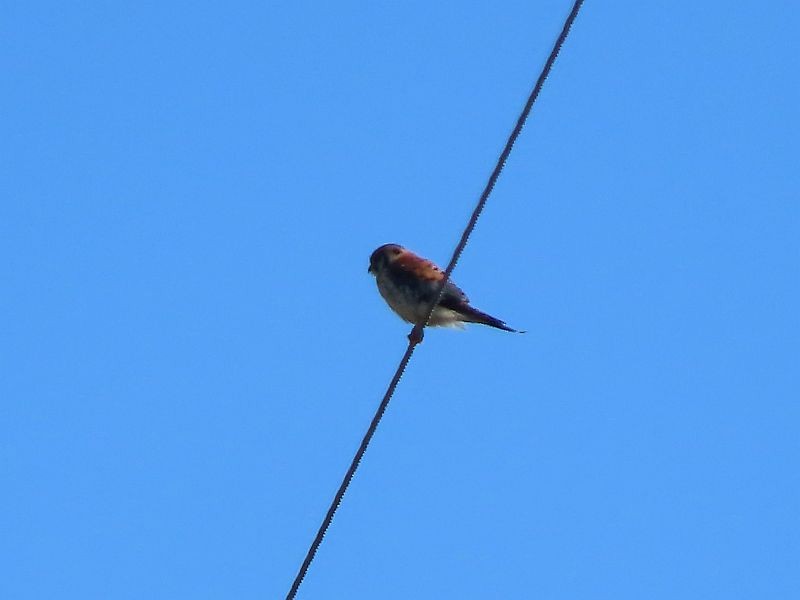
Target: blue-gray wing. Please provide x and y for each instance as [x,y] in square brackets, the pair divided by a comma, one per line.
[453,296]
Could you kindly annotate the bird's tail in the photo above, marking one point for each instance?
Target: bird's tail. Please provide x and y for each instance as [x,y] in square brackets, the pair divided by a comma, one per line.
[473,315]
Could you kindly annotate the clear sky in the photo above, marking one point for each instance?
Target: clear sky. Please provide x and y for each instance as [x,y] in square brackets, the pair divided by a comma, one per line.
[192,348]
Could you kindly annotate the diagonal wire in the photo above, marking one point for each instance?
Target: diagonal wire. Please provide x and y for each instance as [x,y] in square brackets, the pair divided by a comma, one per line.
[416,333]
[501,161]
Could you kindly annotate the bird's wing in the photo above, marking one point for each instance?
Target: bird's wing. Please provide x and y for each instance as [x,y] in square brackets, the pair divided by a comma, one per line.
[426,270]
[422,268]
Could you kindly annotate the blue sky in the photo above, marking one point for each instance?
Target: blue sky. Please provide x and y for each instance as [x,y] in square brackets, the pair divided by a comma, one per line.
[192,347]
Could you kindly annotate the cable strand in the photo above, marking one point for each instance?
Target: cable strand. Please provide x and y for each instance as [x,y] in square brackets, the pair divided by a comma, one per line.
[417,331]
[337,499]
[501,161]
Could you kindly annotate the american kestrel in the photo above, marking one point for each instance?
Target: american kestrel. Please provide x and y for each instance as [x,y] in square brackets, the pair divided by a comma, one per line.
[409,282]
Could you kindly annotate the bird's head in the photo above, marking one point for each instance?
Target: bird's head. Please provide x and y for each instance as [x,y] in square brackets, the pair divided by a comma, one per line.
[383,256]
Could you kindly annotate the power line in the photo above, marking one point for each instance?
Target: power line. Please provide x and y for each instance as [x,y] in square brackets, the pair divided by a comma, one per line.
[417,332]
[501,161]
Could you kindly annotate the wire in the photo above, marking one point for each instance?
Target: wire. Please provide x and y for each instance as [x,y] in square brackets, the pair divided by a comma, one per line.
[415,337]
[337,499]
[501,162]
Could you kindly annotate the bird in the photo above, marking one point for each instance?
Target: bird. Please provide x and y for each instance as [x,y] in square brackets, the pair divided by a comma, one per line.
[409,283]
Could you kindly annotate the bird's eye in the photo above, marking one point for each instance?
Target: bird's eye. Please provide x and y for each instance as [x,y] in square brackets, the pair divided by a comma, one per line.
[396,251]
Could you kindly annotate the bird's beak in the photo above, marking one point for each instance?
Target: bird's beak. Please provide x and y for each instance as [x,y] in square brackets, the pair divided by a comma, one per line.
[369,269]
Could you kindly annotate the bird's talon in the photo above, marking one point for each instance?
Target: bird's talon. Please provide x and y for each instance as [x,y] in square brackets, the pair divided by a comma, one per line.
[416,335]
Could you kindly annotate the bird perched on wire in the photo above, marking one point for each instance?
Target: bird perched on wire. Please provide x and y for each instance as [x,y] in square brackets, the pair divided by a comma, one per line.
[409,283]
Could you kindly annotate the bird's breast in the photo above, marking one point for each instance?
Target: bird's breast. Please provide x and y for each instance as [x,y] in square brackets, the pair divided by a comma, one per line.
[403,298]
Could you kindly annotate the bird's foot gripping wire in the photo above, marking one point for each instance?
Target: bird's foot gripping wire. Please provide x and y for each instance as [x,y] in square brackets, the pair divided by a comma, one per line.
[416,335]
